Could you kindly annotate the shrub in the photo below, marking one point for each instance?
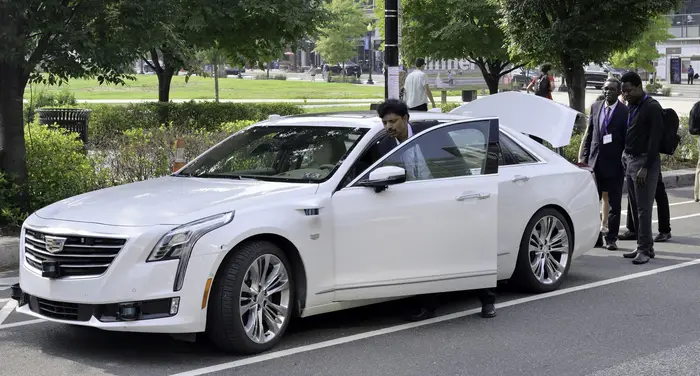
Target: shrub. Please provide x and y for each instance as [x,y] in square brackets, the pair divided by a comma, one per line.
[140,154]
[107,121]
[57,169]
[449,106]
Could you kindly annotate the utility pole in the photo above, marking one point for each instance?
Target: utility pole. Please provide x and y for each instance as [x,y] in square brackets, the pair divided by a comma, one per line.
[391,49]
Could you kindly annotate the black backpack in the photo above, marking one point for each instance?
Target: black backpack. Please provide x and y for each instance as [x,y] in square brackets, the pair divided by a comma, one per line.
[694,120]
[670,139]
[542,86]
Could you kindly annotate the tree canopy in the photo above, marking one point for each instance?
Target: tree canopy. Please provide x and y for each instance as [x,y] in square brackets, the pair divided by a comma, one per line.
[573,33]
[643,52]
[347,22]
[457,29]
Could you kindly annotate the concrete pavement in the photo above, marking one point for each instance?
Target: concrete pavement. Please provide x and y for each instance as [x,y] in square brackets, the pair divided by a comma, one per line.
[610,318]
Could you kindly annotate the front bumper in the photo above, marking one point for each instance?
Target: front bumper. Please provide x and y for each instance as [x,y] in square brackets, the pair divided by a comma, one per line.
[131,295]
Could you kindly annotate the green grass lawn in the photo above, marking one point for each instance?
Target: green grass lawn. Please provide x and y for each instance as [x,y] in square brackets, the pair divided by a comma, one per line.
[146,87]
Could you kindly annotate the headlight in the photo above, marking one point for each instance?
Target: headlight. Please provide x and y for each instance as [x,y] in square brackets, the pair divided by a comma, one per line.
[178,243]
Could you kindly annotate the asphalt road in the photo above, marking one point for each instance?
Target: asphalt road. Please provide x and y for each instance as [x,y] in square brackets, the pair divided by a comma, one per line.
[610,318]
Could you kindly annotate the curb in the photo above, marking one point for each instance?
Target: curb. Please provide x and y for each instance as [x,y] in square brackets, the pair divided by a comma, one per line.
[9,246]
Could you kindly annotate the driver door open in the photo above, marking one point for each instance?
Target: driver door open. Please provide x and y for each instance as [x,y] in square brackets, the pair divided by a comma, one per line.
[425,235]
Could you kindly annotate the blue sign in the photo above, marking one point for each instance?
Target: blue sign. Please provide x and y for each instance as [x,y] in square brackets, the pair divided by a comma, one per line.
[676,70]
[366,42]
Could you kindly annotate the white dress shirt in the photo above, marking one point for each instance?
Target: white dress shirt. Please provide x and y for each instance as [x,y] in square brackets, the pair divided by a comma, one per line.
[414,161]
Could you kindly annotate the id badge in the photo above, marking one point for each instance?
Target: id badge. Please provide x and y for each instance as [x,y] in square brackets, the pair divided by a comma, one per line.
[607,139]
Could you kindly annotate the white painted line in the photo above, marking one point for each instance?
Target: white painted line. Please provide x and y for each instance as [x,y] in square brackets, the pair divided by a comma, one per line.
[681,217]
[624,212]
[398,328]
[659,255]
[21,323]
[5,311]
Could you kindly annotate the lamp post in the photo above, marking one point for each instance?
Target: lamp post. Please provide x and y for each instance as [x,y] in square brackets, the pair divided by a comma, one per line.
[371,53]
[391,49]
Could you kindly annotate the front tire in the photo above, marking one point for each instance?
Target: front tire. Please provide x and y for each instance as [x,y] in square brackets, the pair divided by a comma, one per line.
[251,299]
[545,252]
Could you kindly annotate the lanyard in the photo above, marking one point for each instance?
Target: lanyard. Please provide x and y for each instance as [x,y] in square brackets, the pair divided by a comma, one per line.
[631,115]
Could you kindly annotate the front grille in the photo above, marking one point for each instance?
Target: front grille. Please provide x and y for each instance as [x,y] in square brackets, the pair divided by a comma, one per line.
[81,256]
[57,310]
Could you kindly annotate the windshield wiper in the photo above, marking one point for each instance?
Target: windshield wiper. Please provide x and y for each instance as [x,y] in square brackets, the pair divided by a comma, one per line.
[225,176]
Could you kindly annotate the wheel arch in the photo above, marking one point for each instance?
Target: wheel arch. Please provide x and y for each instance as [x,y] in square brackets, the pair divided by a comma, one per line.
[566,215]
[293,256]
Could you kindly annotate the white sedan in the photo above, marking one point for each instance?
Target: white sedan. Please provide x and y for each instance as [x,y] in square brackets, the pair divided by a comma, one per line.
[295,216]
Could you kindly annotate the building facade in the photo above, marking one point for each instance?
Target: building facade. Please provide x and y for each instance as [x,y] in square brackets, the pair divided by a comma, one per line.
[685,46]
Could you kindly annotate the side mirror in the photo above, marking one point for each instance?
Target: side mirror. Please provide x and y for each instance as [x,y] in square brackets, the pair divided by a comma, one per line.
[381,178]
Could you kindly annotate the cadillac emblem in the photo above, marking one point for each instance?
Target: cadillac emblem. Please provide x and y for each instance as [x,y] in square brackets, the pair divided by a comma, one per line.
[54,244]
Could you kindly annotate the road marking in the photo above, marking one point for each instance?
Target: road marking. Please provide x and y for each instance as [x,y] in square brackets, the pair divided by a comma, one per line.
[398,328]
[624,212]
[606,253]
[21,323]
[681,217]
[5,311]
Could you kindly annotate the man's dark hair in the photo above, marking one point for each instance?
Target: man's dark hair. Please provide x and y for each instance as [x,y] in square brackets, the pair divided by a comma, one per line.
[631,77]
[546,68]
[420,62]
[392,106]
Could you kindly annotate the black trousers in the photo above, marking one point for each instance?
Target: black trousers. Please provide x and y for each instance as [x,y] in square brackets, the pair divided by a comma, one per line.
[423,107]
[642,198]
[662,209]
[614,189]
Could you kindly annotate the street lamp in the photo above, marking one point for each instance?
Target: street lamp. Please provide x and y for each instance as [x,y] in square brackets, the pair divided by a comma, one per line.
[371,53]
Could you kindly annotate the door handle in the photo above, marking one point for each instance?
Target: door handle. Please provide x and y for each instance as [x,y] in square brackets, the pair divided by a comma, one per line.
[518,178]
[471,195]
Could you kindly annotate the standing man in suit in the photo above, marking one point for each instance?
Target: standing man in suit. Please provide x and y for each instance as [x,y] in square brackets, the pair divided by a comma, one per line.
[394,115]
[602,151]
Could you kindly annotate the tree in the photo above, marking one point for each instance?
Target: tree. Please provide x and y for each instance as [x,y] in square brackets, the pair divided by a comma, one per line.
[643,52]
[347,22]
[573,33]
[457,29]
[52,41]
[244,28]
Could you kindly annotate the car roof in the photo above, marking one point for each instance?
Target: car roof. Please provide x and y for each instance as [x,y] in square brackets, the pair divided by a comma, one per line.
[362,119]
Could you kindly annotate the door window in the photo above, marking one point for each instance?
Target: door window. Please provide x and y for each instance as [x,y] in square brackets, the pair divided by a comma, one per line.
[511,153]
[451,151]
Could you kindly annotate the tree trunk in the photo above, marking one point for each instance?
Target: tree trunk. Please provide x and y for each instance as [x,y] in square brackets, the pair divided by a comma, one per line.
[216,81]
[13,152]
[490,77]
[165,78]
[574,75]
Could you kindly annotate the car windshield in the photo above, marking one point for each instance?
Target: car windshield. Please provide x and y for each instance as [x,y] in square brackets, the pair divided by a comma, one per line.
[308,154]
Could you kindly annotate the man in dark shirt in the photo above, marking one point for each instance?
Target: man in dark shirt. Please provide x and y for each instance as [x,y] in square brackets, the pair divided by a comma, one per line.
[641,160]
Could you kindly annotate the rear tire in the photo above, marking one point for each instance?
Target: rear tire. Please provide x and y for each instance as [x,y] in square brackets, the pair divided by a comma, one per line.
[544,257]
[251,300]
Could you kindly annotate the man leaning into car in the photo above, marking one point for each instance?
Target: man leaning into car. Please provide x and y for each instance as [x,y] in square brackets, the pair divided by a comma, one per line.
[394,115]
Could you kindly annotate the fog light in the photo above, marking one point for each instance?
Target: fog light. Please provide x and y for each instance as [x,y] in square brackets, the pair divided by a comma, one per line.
[129,311]
[174,306]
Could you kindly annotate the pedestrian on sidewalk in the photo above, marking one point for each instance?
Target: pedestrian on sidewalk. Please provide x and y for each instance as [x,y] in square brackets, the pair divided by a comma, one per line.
[543,86]
[642,161]
[691,74]
[417,90]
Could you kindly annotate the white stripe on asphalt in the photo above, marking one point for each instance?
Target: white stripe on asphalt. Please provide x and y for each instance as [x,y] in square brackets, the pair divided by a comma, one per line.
[5,311]
[624,212]
[397,328]
[681,217]
[22,323]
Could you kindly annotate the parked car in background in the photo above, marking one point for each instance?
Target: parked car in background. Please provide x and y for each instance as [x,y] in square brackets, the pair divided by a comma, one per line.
[351,69]
[523,77]
[595,75]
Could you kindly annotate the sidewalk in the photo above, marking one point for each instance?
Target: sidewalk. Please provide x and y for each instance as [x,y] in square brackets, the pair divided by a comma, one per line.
[9,246]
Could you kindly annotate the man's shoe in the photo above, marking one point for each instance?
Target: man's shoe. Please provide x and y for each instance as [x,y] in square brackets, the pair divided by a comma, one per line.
[611,246]
[488,311]
[641,258]
[634,253]
[662,237]
[420,313]
[628,235]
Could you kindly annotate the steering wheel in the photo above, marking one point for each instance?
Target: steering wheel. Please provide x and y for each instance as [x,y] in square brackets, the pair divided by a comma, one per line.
[327,166]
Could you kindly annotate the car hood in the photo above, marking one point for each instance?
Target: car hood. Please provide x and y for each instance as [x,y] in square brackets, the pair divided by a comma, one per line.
[168,200]
[526,113]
